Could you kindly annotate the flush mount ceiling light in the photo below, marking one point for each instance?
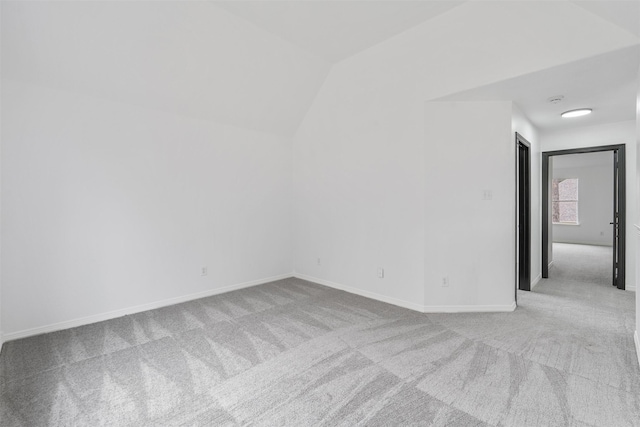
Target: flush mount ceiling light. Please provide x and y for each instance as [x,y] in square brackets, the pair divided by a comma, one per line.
[577,113]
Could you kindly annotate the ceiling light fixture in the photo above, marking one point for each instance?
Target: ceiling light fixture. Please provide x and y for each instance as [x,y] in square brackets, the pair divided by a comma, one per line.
[577,113]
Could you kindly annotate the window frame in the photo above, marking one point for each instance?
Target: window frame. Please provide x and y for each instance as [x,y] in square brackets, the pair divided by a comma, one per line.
[558,200]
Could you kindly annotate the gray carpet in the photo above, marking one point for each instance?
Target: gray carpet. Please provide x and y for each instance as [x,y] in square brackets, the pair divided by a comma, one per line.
[582,263]
[296,353]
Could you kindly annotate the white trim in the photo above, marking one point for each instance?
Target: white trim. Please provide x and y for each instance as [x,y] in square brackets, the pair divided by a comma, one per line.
[367,294]
[551,264]
[410,305]
[535,281]
[136,309]
[469,308]
[1,340]
[583,242]
[630,288]
[637,341]
[637,228]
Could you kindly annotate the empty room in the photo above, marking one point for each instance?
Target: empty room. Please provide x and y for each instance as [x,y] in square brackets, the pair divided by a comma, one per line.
[582,213]
[319,212]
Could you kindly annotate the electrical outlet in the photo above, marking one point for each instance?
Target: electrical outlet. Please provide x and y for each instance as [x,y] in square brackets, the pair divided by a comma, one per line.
[203,271]
[380,272]
[445,282]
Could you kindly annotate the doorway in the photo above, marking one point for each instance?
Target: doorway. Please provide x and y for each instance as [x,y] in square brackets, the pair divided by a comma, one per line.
[523,215]
[618,209]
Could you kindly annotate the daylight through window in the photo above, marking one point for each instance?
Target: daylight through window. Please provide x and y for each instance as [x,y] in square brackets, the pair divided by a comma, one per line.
[565,201]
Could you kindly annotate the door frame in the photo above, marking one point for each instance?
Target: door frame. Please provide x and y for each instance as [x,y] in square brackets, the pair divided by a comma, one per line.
[524,211]
[622,205]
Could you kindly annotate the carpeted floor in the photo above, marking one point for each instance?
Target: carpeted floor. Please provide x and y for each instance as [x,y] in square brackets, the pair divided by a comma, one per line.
[582,263]
[295,353]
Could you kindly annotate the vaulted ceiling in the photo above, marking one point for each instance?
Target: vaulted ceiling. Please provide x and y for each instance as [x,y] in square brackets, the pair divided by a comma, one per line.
[335,30]
[188,58]
[624,13]
[259,64]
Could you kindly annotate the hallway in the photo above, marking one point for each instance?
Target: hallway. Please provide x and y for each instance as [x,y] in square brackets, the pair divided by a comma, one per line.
[578,325]
[585,325]
[582,263]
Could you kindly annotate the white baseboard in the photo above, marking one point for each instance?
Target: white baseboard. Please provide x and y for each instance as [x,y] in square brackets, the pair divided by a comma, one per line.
[586,243]
[469,308]
[630,288]
[410,305]
[637,341]
[367,294]
[536,281]
[1,340]
[135,309]
[550,264]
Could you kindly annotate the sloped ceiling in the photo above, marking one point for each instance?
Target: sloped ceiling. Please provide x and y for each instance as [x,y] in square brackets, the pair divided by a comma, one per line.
[189,58]
[606,83]
[335,30]
[624,13]
[252,64]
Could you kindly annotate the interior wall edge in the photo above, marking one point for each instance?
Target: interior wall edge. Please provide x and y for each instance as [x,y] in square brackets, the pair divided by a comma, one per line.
[637,341]
[135,309]
[410,305]
[535,281]
[141,107]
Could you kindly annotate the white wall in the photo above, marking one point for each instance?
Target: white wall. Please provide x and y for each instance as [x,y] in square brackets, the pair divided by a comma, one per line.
[360,200]
[358,194]
[113,197]
[595,203]
[143,141]
[468,239]
[610,134]
[108,206]
[521,124]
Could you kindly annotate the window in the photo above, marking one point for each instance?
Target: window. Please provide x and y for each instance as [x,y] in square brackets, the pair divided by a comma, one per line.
[565,201]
